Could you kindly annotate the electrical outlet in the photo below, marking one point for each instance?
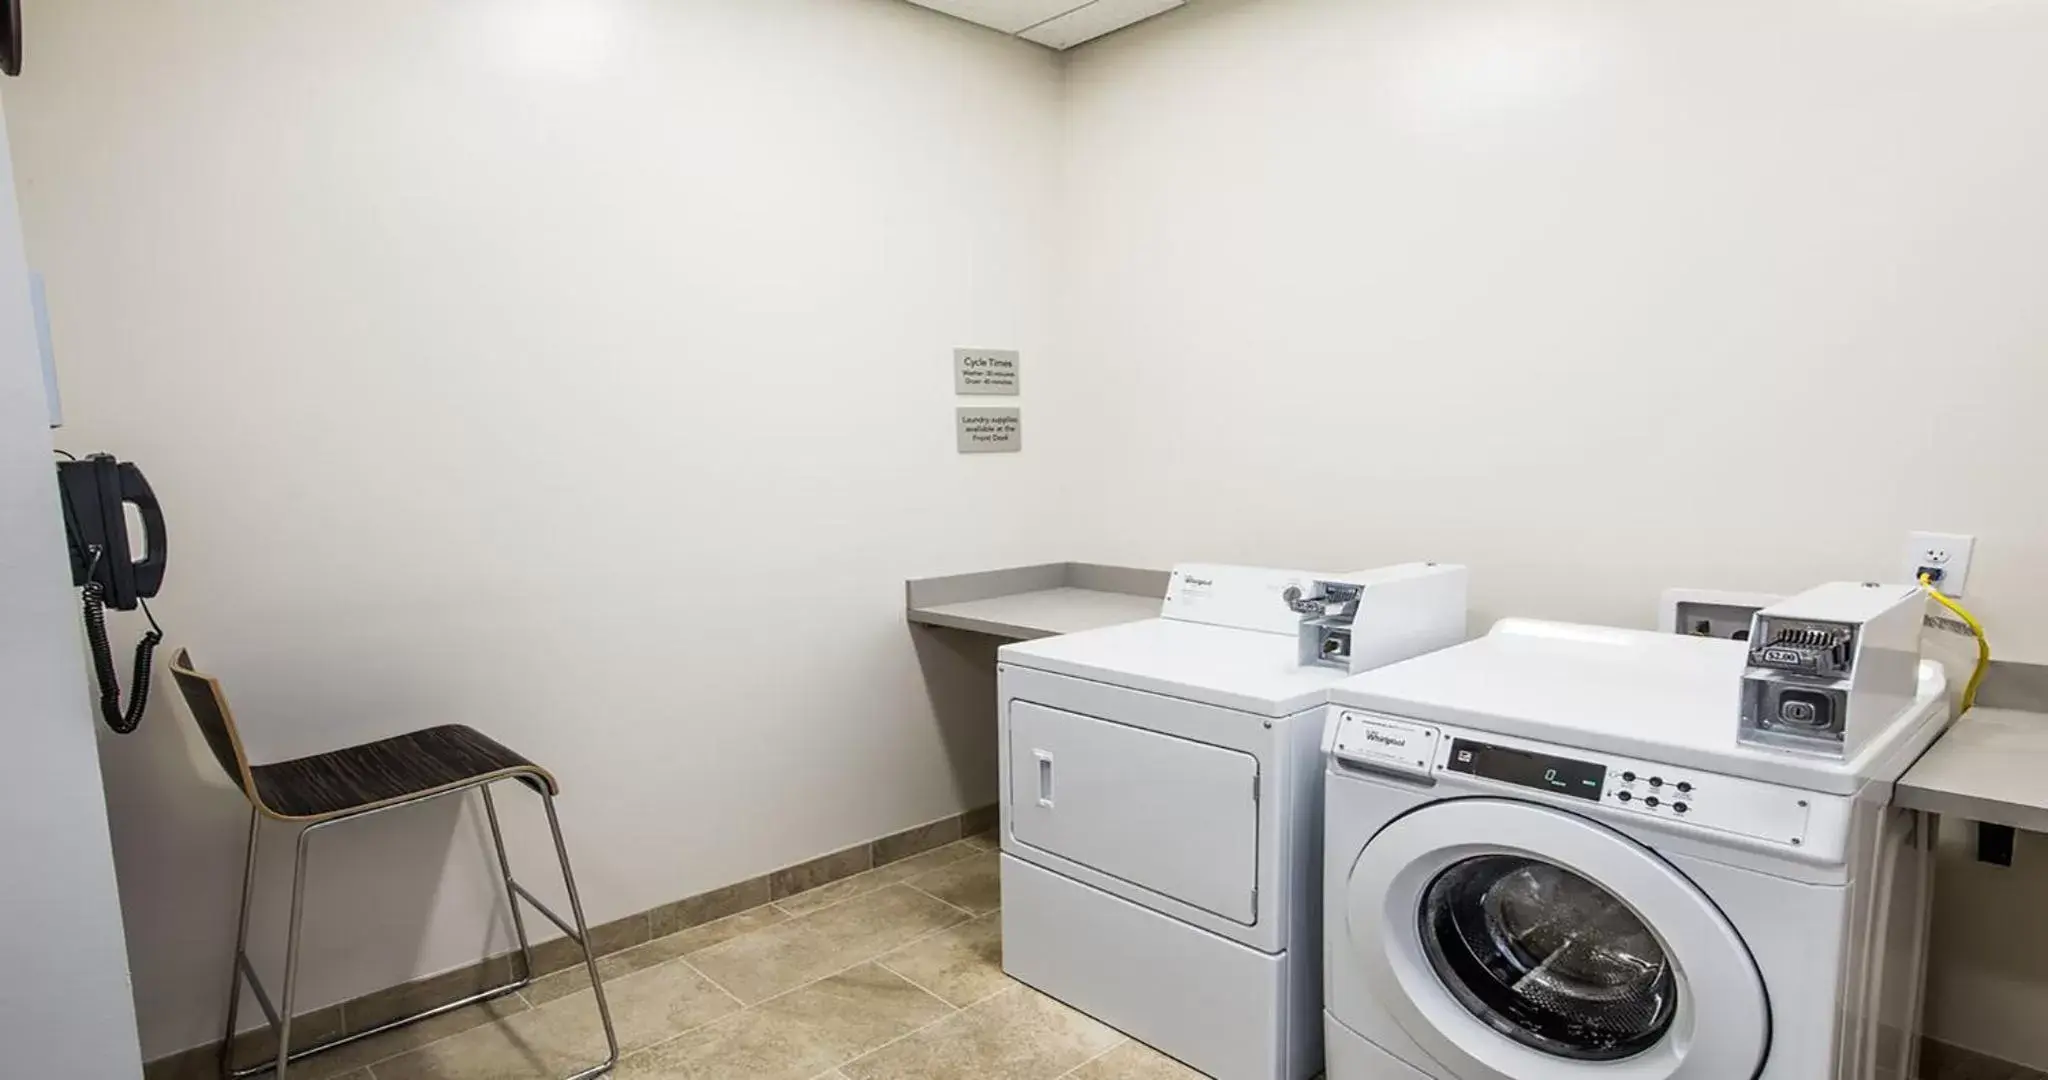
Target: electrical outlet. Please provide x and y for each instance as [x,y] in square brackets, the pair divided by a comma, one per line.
[1945,555]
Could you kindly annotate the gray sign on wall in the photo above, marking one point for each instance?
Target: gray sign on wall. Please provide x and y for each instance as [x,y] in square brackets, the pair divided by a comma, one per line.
[990,431]
[986,371]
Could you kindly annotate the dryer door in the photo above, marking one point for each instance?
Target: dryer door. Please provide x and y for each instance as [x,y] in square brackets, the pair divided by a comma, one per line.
[1172,815]
[1516,942]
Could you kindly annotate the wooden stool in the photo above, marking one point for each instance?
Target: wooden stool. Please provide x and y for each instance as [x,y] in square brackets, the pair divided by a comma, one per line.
[344,785]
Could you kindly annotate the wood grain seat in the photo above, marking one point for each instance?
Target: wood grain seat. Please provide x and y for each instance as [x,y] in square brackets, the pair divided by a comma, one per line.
[390,770]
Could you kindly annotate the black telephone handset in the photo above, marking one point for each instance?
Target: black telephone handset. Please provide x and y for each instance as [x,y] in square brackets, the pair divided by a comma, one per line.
[97,492]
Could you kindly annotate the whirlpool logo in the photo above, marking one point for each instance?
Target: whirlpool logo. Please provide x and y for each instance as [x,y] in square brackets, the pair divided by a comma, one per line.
[1386,739]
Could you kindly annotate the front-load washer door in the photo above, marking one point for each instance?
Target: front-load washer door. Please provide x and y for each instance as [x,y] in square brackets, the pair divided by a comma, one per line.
[1517,942]
[1172,815]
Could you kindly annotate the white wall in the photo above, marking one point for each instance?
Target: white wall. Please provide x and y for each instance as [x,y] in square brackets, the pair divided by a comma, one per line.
[1596,296]
[66,1010]
[576,369]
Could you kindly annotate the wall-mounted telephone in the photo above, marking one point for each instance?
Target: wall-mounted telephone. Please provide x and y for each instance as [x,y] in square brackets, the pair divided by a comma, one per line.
[97,492]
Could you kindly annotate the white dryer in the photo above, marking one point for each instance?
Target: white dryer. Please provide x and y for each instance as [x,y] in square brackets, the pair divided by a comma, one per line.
[1549,858]
[1161,800]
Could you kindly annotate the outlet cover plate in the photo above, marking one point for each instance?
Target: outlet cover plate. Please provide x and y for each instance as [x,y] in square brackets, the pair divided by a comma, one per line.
[1949,551]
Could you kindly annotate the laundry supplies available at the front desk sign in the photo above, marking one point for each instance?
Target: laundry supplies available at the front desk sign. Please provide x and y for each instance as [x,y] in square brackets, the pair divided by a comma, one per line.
[990,431]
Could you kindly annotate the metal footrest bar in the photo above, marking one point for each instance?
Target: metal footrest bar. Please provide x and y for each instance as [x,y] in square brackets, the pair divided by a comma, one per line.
[391,1025]
[545,910]
[256,989]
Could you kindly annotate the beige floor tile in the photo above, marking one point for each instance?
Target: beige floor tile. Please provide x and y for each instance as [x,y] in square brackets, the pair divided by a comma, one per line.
[1135,1061]
[804,903]
[788,955]
[554,1040]
[962,965]
[564,1035]
[659,951]
[335,1063]
[974,884]
[1016,1035]
[704,936]
[986,841]
[655,1005]
[795,1036]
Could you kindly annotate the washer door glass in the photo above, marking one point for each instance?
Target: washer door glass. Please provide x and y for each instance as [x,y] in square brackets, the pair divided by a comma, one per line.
[1548,958]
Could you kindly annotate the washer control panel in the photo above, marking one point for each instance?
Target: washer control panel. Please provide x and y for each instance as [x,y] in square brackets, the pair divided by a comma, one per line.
[1765,812]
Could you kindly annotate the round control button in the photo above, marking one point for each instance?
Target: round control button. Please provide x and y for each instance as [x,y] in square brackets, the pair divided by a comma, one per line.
[1628,777]
[1624,796]
[1684,786]
[1651,801]
[1656,781]
[1680,807]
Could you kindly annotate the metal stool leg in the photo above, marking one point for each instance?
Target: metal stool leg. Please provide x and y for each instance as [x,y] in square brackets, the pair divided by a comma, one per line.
[505,871]
[604,1012]
[291,954]
[227,1043]
[280,1017]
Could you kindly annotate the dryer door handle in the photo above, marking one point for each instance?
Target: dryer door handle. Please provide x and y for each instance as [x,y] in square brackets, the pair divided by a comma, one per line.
[1044,777]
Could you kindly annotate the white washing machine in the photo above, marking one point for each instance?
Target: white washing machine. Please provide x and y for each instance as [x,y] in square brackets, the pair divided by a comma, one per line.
[1548,858]
[1162,794]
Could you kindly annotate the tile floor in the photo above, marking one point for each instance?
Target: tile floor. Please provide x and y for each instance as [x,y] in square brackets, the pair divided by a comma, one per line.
[894,974]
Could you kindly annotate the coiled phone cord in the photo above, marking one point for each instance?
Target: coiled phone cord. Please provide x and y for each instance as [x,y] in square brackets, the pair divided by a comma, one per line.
[103,661]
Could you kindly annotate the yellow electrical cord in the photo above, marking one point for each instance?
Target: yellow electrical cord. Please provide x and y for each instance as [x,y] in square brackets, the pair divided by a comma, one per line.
[1977,628]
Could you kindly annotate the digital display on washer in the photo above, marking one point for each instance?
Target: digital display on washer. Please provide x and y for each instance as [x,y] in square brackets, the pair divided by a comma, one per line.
[1579,779]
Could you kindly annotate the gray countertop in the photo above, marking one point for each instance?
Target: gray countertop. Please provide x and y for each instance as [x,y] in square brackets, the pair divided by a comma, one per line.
[1028,602]
[1991,766]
